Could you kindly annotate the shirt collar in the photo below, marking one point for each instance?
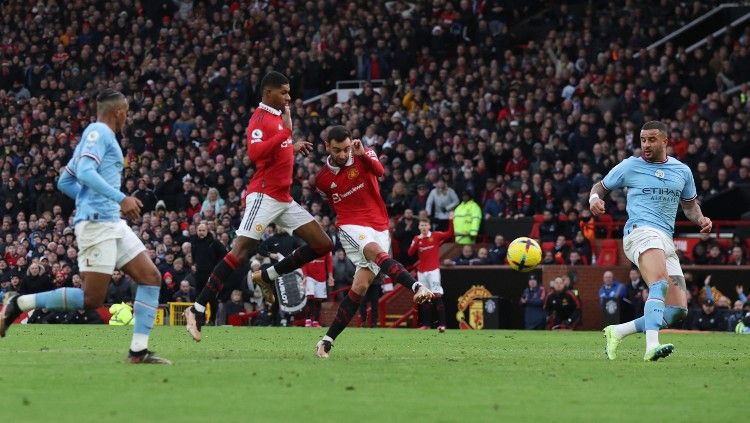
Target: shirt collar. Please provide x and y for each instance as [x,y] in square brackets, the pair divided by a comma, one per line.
[269,109]
[336,169]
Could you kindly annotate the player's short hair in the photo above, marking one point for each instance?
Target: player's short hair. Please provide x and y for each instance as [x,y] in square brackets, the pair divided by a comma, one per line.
[272,80]
[655,124]
[338,133]
[424,219]
[107,99]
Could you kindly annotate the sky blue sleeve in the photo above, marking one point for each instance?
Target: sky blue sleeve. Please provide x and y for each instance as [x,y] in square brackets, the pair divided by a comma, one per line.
[68,184]
[94,145]
[88,175]
[616,177]
[688,192]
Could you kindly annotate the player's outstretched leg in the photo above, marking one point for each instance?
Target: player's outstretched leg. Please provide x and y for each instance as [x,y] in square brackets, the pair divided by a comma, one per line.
[348,307]
[318,245]
[344,314]
[398,273]
[61,299]
[195,315]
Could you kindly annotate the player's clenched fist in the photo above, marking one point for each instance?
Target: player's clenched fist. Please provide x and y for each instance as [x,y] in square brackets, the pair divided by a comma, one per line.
[596,206]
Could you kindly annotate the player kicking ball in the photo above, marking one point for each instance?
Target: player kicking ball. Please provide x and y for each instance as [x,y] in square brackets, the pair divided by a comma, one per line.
[270,147]
[656,185]
[349,180]
[105,242]
[427,247]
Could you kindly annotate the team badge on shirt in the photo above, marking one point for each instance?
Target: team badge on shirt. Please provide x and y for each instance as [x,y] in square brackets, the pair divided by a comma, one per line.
[259,228]
[659,174]
[91,138]
[352,173]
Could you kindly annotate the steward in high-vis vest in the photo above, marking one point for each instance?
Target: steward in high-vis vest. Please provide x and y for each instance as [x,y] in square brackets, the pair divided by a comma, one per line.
[467,219]
[122,315]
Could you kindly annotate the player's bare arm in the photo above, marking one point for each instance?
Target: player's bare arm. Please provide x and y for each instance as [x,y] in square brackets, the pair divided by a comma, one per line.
[693,212]
[596,202]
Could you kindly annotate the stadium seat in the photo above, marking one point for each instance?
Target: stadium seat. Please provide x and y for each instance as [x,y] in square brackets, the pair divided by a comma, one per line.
[548,246]
[606,223]
[608,253]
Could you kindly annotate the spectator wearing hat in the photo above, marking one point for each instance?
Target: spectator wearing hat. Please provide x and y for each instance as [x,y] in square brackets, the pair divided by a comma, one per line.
[709,317]
[419,201]
[532,302]
[168,288]
[467,219]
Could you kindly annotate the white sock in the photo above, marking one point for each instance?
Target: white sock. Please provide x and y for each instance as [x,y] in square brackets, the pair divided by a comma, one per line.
[139,342]
[272,273]
[328,338]
[652,339]
[27,302]
[199,308]
[624,329]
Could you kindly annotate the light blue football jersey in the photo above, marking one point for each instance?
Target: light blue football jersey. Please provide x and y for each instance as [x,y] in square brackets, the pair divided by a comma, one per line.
[654,191]
[98,143]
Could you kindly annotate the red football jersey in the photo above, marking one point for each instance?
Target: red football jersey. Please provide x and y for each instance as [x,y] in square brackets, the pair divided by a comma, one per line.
[320,268]
[269,146]
[353,191]
[429,249]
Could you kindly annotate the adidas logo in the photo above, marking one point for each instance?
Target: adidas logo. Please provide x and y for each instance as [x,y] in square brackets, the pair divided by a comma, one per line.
[333,185]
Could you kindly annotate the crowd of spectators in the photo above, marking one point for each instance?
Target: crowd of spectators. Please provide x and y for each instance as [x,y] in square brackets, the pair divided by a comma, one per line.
[521,126]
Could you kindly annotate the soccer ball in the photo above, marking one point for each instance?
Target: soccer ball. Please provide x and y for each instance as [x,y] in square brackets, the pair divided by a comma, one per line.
[524,254]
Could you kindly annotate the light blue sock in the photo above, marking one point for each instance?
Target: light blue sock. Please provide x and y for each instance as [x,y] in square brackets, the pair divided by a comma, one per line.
[640,324]
[144,311]
[61,299]
[673,315]
[654,309]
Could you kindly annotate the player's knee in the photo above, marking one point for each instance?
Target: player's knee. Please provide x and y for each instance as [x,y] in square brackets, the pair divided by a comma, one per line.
[152,277]
[674,315]
[323,246]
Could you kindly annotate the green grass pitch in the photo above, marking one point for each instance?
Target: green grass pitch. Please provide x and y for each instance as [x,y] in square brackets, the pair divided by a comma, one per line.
[78,373]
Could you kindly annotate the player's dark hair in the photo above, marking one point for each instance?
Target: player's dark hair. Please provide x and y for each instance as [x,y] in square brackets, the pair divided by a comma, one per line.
[108,94]
[107,99]
[272,80]
[338,133]
[655,124]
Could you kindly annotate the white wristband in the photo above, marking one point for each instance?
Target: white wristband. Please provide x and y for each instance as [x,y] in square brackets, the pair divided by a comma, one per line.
[593,197]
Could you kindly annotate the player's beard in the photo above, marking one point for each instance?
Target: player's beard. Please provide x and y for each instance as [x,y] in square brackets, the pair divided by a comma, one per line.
[336,162]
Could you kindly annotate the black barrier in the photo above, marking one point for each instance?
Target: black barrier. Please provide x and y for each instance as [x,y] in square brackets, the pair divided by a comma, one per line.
[509,228]
[466,288]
